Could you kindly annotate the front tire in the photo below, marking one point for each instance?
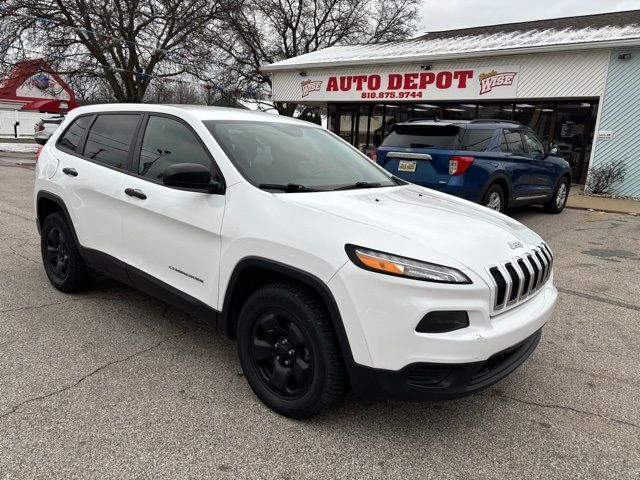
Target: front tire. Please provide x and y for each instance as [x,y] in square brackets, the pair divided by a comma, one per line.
[560,197]
[289,351]
[494,198]
[62,262]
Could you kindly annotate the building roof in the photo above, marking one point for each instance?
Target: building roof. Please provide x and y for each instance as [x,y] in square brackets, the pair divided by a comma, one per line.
[570,33]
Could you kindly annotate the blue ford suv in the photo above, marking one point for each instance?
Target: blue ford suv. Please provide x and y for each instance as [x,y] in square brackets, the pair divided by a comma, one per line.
[497,163]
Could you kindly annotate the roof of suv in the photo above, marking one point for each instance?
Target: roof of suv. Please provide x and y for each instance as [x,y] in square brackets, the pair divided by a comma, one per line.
[200,112]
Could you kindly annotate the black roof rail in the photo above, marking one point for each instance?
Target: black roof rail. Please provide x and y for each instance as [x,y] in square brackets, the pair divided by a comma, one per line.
[493,120]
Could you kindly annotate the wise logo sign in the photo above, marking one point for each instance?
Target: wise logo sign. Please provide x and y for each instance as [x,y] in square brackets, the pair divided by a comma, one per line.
[309,86]
[493,79]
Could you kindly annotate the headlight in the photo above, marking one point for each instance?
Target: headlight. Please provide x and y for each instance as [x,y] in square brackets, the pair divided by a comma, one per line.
[404,267]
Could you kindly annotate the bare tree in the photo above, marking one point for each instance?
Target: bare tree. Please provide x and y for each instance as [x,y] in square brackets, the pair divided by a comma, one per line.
[126,42]
[266,31]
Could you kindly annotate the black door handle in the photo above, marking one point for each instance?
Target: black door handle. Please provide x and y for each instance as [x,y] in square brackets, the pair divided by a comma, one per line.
[70,171]
[134,192]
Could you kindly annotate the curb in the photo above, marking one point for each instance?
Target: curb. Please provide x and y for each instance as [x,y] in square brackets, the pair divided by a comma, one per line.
[608,210]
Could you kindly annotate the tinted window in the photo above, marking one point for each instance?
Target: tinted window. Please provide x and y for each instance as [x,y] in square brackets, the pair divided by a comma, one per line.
[167,142]
[532,143]
[109,139]
[512,142]
[281,153]
[445,137]
[477,140]
[74,133]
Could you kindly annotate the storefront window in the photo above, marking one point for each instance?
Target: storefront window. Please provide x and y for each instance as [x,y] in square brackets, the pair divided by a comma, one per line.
[538,118]
[502,111]
[426,110]
[459,111]
[375,127]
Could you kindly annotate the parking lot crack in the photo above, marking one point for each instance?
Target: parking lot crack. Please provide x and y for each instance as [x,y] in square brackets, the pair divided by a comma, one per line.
[63,302]
[560,407]
[598,298]
[18,254]
[28,401]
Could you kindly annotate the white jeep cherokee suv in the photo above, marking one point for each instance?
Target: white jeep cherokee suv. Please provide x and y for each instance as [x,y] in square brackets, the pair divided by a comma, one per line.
[329,271]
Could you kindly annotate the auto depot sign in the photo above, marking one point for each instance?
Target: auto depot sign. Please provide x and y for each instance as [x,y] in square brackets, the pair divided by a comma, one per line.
[410,84]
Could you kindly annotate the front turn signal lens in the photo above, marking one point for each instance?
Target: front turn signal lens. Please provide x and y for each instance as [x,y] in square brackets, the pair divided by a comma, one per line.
[381,262]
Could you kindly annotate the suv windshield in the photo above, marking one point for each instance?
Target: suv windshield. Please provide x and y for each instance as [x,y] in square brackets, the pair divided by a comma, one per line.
[281,156]
[444,137]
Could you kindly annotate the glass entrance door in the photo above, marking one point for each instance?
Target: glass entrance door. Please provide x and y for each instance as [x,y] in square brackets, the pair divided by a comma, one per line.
[573,135]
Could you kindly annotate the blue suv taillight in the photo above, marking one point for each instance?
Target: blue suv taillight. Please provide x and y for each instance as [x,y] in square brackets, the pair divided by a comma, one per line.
[458,164]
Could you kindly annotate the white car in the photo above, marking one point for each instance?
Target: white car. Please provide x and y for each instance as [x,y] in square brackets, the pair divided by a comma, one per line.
[330,272]
[43,130]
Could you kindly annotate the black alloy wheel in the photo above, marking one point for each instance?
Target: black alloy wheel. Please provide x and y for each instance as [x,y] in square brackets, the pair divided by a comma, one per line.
[281,355]
[289,351]
[58,253]
[62,262]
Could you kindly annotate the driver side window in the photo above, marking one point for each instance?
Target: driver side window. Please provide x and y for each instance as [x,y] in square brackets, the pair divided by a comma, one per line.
[167,142]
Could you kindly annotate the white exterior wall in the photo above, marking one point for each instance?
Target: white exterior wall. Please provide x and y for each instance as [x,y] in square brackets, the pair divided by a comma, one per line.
[27,122]
[540,76]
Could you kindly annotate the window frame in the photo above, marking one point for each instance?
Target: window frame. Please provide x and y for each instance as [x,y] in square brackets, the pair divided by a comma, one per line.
[135,161]
[83,138]
[490,146]
[512,130]
[83,141]
[533,134]
[127,164]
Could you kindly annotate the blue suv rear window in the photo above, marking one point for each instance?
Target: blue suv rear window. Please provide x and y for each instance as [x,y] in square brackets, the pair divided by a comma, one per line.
[445,137]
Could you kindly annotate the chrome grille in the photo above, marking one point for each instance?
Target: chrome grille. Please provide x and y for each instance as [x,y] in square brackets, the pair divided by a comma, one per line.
[519,278]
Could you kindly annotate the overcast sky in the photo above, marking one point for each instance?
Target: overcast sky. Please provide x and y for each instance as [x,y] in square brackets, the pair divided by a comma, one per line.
[451,14]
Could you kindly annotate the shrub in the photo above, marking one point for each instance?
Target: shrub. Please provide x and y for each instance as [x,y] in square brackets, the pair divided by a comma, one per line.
[602,178]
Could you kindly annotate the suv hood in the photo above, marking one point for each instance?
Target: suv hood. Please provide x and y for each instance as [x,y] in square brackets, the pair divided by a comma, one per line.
[423,224]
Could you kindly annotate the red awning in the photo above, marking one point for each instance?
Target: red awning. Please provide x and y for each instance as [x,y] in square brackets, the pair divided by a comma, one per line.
[51,106]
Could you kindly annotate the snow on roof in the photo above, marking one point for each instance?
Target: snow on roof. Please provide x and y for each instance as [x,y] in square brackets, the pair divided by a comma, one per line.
[588,30]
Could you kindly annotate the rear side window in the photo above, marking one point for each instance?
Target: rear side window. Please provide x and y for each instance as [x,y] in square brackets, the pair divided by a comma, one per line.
[110,138]
[445,137]
[477,140]
[512,142]
[71,138]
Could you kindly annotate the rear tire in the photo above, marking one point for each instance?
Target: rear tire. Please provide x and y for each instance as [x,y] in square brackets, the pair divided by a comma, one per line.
[289,351]
[62,262]
[559,199]
[494,198]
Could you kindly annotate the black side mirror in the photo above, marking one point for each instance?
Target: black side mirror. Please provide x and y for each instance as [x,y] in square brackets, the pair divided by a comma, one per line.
[191,176]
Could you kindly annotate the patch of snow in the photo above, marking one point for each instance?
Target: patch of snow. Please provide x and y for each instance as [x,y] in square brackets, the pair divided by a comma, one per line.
[465,44]
[19,147]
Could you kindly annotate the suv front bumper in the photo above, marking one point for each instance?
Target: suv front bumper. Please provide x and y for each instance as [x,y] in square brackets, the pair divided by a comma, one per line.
[437,381]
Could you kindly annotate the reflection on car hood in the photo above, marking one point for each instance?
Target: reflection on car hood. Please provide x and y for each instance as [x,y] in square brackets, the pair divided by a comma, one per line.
[425,222]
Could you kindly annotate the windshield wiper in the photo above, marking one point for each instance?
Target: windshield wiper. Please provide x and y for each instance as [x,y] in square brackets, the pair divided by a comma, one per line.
[287,188]
[420,145]
[360,185]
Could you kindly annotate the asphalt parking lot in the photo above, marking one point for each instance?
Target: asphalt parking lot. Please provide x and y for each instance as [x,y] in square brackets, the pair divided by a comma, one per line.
[114,384]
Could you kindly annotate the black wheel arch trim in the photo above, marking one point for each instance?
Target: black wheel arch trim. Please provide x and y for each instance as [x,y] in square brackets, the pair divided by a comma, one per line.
[491,180]
[65,211]
[226,320]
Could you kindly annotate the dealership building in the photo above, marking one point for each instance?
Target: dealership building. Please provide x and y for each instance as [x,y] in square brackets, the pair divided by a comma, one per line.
[30,92]
[575,81]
